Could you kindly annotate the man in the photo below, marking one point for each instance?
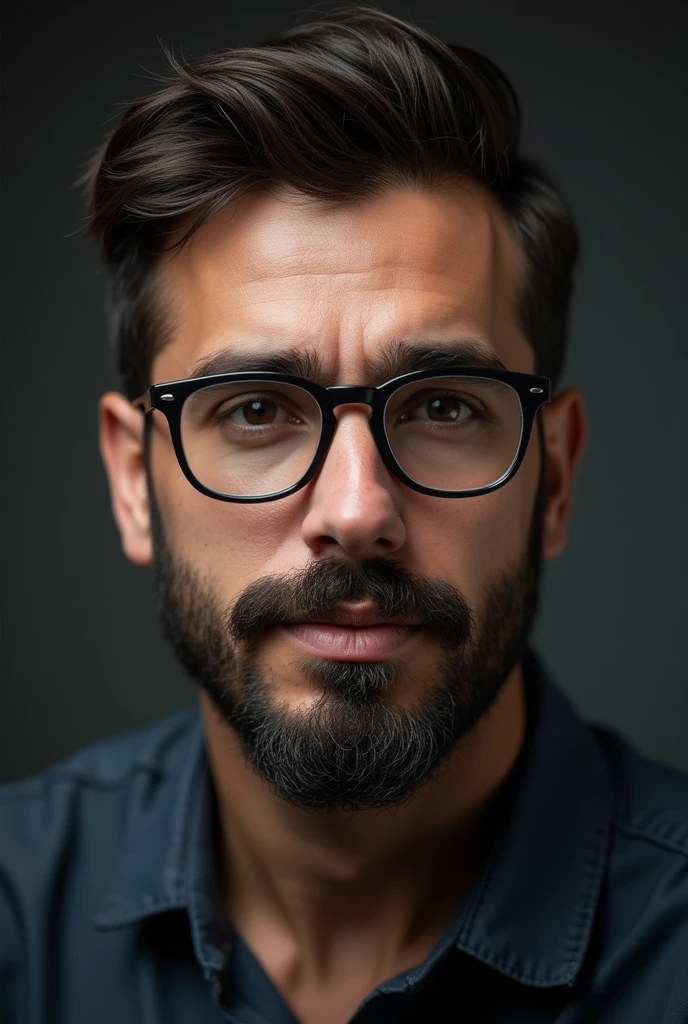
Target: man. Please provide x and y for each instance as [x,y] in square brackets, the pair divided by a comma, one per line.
[340,298]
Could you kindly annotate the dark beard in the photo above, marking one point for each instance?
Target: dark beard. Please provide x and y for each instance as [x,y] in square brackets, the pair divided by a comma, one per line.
[351,748]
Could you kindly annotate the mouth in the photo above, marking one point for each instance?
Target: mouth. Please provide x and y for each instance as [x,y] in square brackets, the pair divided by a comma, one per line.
[352,633]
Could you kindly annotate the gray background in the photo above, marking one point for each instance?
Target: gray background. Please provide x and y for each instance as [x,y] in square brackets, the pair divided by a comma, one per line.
[604,94]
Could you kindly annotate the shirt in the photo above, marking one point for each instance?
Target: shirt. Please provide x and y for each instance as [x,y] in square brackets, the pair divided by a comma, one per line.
[109,911]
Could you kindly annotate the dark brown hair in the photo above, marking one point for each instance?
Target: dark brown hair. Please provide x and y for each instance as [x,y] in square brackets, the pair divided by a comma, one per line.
[339,109]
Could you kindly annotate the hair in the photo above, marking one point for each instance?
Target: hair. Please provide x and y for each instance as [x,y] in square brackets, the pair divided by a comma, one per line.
[345,107]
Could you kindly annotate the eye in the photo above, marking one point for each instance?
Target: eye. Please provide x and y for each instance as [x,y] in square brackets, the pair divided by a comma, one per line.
[445,408]
[257,411]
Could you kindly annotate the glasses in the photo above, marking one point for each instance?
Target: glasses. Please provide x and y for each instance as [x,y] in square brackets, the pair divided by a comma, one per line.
[249,437]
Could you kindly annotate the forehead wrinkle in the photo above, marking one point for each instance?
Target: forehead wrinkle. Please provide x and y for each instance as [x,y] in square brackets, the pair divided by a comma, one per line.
[390,357]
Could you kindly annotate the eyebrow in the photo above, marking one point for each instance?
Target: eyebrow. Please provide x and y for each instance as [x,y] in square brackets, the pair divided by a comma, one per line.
[401,356]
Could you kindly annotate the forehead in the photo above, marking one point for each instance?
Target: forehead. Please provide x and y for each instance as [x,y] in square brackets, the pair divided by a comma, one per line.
[345,281]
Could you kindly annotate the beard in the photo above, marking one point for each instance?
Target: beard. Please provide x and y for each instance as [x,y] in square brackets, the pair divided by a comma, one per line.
[351,748]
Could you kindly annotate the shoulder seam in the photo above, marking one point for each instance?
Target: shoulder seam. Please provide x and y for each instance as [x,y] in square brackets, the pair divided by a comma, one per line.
[634,832]
[108,763]
[26,790]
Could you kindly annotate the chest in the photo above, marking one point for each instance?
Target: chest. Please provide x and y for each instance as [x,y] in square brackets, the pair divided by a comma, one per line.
[334,1005]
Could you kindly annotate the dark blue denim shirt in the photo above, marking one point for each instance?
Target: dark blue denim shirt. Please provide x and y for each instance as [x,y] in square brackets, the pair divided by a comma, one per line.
[109,912]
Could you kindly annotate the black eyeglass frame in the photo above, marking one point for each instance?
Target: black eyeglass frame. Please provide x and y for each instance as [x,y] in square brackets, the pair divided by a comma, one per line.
[532,390]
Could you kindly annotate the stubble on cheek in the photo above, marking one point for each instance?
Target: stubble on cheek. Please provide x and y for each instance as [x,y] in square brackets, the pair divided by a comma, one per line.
[281,670]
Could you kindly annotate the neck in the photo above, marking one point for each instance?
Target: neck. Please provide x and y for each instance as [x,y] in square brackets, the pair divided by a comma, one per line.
[391,881]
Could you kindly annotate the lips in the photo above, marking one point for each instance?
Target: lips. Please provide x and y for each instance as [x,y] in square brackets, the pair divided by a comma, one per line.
[352,633]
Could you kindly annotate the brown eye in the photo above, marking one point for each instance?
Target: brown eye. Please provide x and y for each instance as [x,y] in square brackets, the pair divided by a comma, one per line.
[444,410]
[440,409]
[257,413]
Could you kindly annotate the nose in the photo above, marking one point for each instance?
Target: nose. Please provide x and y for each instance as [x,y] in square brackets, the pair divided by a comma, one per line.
[354,501]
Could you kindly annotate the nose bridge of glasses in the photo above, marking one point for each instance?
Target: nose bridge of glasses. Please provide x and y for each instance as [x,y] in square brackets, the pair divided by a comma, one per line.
[351,395]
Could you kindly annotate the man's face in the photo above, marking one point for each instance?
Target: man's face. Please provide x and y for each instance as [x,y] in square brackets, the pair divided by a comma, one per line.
[276,274]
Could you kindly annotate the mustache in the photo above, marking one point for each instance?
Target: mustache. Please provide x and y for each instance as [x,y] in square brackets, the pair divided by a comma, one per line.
[316,590]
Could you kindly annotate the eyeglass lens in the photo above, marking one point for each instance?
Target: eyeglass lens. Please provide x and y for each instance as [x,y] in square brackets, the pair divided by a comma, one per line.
[255,438]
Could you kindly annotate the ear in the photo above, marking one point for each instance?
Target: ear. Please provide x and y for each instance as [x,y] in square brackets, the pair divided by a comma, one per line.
[566,435]
[121,446]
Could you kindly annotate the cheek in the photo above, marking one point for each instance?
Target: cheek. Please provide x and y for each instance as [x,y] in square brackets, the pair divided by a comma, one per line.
[470,541]
[230,543]
[503,521]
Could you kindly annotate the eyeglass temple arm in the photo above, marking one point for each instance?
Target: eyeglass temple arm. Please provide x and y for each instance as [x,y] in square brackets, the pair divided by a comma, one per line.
[143,402]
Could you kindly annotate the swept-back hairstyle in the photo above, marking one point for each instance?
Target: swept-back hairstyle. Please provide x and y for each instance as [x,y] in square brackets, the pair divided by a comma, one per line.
[340,109]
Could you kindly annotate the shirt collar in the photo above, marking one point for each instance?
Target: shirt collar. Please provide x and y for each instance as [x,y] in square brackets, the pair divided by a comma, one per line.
[529,915]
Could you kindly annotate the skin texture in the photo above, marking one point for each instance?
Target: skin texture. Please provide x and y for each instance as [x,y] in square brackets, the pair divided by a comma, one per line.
[333,903]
